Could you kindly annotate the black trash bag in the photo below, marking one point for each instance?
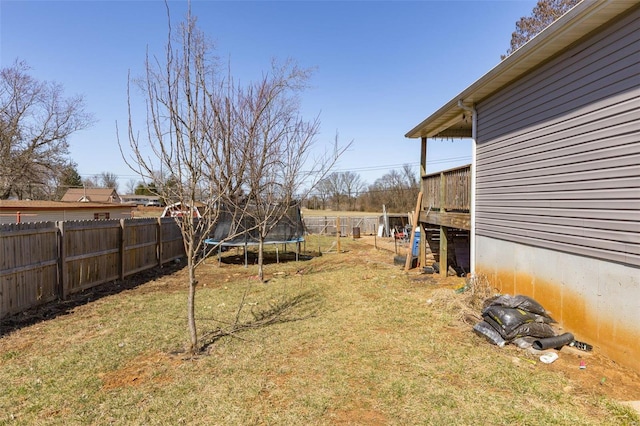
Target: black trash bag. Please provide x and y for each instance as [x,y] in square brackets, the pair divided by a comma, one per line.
[509,319]
[519,302]
[485,330]
[534,330]
[497,327]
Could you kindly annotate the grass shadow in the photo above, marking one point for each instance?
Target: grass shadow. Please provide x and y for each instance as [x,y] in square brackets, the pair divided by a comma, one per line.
[59,308]
[286,309]
[232,258]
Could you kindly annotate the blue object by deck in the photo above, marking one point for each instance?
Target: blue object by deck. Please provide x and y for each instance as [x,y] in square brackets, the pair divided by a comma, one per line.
[416,244]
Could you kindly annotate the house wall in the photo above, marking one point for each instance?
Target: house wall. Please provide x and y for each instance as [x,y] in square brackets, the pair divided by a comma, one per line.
[596,300]
[558,151]
[558,188]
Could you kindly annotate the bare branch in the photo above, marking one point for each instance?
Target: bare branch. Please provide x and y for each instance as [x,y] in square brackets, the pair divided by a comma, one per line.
[36,121]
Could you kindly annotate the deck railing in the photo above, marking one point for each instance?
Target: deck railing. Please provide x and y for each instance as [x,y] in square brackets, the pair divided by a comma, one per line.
[448,190]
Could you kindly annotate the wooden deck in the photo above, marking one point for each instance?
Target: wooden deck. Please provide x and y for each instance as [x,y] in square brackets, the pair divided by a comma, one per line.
[446,199]
[446,206]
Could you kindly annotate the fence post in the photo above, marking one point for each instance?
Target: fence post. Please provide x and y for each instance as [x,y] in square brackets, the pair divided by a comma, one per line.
[338,233]
[414,224]
[159,242]
[63,283]
[121,248]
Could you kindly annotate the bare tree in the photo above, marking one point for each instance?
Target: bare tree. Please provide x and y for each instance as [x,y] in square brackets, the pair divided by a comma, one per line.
[109,180]
[323,191]
[185,140]
[131,186]
[396,189]
[36,121]
[543,14]
[91,182]
[334,185]
[342,188]
[353,185]
[278,147]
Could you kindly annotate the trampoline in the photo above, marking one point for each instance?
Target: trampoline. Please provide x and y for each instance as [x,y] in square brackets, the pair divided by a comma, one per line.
[288,230]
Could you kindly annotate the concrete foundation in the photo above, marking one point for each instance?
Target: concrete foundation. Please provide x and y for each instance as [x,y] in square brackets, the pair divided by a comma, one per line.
[598,301]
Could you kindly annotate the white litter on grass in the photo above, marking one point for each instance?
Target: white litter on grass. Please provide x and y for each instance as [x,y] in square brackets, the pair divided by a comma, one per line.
[549,357]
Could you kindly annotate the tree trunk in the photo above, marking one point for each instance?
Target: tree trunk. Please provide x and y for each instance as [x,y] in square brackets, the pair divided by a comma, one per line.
[261,259]
[193,334]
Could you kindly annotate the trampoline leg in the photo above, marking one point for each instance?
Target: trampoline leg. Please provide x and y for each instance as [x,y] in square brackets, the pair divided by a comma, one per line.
[277,257]
[245,256]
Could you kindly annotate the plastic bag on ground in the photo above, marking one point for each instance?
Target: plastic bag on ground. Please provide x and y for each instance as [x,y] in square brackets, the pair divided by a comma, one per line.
[523,342]
[485,330]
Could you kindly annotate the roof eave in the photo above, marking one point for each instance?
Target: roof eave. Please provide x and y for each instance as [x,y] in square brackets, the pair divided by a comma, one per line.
[568,29]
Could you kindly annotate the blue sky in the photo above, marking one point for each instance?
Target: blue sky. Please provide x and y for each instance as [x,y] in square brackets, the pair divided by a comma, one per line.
[381,67]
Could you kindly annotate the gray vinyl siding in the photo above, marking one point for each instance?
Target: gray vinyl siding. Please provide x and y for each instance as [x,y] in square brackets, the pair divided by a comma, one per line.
[558,152]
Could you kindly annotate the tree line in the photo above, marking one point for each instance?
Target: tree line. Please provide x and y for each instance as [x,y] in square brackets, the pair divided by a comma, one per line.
[397,190]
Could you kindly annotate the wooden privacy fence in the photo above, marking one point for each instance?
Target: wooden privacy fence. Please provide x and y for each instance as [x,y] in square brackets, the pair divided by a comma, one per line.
[45,261]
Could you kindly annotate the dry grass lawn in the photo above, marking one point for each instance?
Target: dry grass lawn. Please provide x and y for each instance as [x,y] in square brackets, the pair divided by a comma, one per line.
[359,341]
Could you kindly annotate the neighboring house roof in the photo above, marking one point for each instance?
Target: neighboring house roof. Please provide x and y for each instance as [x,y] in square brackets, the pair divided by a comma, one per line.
[135,197]
[98,195]
[452,121]
[22,205]
[42,211]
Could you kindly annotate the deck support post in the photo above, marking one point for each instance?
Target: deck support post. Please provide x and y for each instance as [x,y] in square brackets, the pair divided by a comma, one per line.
[444,251]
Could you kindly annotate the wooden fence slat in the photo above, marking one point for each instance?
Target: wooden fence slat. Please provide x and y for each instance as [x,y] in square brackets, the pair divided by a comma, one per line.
[93,254]
[29,267]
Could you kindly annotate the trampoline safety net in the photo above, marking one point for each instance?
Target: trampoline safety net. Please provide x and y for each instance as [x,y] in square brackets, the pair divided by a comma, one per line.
[289,229]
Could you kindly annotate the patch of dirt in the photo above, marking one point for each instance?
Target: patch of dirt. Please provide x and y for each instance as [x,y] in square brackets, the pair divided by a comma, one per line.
[386,243]
[141,370]
[358,415]
[601,375]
